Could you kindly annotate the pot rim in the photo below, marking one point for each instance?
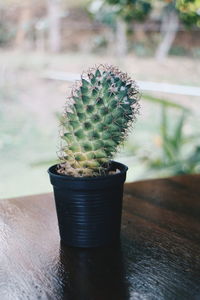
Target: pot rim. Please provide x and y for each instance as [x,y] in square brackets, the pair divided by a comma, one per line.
[123,169]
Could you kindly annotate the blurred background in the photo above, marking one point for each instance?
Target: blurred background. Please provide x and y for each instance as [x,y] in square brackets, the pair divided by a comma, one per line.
[46,44]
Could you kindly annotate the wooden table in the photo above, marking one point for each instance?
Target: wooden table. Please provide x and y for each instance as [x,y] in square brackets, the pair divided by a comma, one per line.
[159,255]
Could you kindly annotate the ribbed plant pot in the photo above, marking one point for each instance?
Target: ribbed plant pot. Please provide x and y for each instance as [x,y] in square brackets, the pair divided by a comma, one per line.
[89,208]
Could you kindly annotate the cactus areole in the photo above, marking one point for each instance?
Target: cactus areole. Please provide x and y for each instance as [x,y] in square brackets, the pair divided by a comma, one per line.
[96,120]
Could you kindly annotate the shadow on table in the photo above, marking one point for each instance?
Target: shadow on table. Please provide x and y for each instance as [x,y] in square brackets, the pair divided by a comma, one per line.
[93,273]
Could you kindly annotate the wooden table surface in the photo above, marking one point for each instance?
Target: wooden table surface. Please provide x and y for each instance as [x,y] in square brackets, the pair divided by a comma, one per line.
[158,258]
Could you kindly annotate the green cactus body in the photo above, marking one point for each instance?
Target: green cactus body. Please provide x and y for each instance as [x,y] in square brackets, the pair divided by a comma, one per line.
[96,119]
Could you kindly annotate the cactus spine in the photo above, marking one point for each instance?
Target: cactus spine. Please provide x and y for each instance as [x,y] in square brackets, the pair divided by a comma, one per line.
[97,116]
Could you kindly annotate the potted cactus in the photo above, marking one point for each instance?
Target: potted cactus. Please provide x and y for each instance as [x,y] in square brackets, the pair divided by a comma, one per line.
[88,185]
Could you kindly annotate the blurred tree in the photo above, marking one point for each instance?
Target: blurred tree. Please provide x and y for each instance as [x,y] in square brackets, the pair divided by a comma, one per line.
[118,14]
[54,25]
[174,11]
[23,25]
[20,17]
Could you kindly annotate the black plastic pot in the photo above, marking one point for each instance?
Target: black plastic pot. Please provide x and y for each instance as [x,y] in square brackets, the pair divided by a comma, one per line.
[89,208]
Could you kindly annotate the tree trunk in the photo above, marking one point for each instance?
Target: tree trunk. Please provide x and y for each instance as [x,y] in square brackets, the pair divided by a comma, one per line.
[23,26]
[54,32]
[121,38]
[169,28]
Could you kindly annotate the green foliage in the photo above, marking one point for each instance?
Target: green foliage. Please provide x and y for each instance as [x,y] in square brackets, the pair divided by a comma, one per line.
[7,32]
[164,102]
[131,10]
[189,12]
[96,120]
[138,10]
[107,11]
[173,140]
[178,51]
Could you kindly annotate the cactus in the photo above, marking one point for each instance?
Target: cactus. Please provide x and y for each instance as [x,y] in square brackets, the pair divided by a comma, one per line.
[97,116]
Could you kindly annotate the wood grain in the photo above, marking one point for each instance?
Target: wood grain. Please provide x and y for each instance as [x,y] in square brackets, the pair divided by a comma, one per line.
[158,257]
